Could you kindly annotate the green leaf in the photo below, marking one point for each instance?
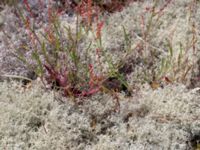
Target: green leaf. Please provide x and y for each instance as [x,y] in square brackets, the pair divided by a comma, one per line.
[39,70]
[127,39]
[44,52]
[180,55]
[170,48]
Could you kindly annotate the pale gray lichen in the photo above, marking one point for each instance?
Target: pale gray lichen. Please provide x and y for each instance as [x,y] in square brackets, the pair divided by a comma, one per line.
[160,119]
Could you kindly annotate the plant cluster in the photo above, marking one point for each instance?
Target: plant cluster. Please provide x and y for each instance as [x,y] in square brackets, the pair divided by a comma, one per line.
[170,63]
[57,60]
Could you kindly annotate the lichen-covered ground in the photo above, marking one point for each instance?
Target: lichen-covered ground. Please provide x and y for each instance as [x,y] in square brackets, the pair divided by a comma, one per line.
[163,119]
[166,117]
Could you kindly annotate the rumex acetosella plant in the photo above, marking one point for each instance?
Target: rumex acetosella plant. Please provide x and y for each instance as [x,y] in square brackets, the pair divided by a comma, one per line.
[54,53]
[167,62]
